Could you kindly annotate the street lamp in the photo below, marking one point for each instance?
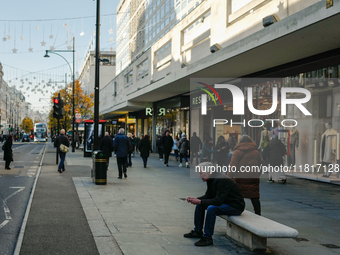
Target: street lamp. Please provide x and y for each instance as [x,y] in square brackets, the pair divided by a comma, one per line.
[73,118]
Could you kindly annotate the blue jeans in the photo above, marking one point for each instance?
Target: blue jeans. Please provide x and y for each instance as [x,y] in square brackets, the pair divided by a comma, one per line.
[210,219]
[62,160]
[145,160]
[185,156]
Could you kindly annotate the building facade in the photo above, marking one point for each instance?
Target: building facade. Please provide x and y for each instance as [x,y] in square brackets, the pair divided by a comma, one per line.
[107,70]
[229,39]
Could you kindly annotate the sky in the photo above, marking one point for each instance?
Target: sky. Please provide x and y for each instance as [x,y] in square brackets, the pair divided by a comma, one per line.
[31,27]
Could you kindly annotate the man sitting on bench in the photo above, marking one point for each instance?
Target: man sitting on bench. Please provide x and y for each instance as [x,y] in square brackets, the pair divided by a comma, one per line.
[222,197]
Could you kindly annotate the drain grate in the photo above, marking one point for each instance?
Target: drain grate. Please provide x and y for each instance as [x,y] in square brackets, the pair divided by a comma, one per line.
[332,246]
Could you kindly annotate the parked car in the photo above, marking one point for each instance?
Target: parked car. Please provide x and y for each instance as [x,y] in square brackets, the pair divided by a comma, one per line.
[25,138]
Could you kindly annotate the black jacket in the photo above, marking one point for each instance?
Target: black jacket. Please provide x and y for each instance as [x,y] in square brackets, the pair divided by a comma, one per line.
[183,146]
[61,140]
[222,190]
[106,146]
[195,143]
[144,148]
[8,152]
[223,154]
[167,143]
[274,152]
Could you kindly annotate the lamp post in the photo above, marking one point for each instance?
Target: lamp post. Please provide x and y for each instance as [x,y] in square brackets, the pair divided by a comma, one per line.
[96,82]
[73,116]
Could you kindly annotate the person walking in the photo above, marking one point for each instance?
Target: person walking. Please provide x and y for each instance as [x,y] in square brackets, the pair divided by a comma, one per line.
[183,146]
[121,145]
[106,146]
[130,150]
[167,146]
[159,145]
[144,149]
[273,153]
[195,146]
[222,148]
[8,152]
[246,154]
[207,150]
[175,147]
[232,144]
[61,139]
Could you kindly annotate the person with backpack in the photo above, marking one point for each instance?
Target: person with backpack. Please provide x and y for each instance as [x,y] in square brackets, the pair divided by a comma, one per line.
[183,147]
[8,152]
[62,143]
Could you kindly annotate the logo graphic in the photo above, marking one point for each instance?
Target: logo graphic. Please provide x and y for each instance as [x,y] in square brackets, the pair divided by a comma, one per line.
[238,99]
[204,97]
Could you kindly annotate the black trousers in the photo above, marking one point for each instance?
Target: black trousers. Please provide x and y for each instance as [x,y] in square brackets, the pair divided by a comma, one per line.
[129,162]
[7,163]
[121,162]
[166,157]
[257,205]
[160,152]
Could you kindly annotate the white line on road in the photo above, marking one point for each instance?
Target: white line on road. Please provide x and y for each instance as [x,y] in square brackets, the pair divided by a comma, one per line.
[6,209]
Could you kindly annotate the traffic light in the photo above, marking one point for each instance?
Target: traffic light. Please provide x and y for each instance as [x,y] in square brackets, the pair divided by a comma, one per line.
[9,128]
[58,108]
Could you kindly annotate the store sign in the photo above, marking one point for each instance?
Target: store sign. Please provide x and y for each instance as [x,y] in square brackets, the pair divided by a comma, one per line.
[238,100]
[148,112]
[121,119]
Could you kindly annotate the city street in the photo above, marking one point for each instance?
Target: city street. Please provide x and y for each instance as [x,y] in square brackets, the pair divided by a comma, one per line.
[145,213]
[15,189]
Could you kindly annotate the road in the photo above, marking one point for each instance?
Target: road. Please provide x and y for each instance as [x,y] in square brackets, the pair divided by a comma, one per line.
[15,189]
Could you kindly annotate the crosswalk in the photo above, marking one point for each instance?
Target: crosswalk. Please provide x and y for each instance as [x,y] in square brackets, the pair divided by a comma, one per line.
[31,171]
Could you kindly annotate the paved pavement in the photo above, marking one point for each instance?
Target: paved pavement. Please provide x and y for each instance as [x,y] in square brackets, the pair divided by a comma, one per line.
[144,213]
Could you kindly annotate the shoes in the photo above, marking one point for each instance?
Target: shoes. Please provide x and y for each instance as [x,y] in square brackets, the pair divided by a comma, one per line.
[64,170]
[193,234]
[119,177]
[187,164]
[125,175]
[160,159]
[8,168]
[180,165]
[59,171]
[204,241]
[144,166]
[166,164]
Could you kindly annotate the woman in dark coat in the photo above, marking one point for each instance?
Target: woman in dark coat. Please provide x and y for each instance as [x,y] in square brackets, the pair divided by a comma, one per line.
[222,148]
[145,148]
[8,152]
[246,154]
[106,145]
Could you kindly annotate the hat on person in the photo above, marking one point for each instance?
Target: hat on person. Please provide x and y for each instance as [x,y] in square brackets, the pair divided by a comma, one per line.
[184,135]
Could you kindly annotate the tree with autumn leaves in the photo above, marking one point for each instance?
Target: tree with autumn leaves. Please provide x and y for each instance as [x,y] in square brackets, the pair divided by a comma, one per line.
[82,103]
[26,124]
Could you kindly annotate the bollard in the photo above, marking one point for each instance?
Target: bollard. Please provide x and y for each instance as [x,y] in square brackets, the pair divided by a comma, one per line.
[98,173]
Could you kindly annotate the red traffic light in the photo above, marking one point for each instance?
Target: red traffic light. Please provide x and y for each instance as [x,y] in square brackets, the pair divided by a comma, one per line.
[55,100]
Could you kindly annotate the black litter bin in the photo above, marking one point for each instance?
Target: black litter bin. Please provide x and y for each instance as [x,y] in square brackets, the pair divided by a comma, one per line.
[99,168]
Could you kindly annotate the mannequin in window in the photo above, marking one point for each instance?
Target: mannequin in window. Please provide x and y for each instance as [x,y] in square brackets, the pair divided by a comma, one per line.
[328,147]
[293,145]
[265,137]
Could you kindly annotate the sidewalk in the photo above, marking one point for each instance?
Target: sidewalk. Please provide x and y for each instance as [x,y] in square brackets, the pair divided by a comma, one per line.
[144,214]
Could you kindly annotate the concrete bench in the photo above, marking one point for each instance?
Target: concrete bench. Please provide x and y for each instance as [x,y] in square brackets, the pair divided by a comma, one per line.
[253,230]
